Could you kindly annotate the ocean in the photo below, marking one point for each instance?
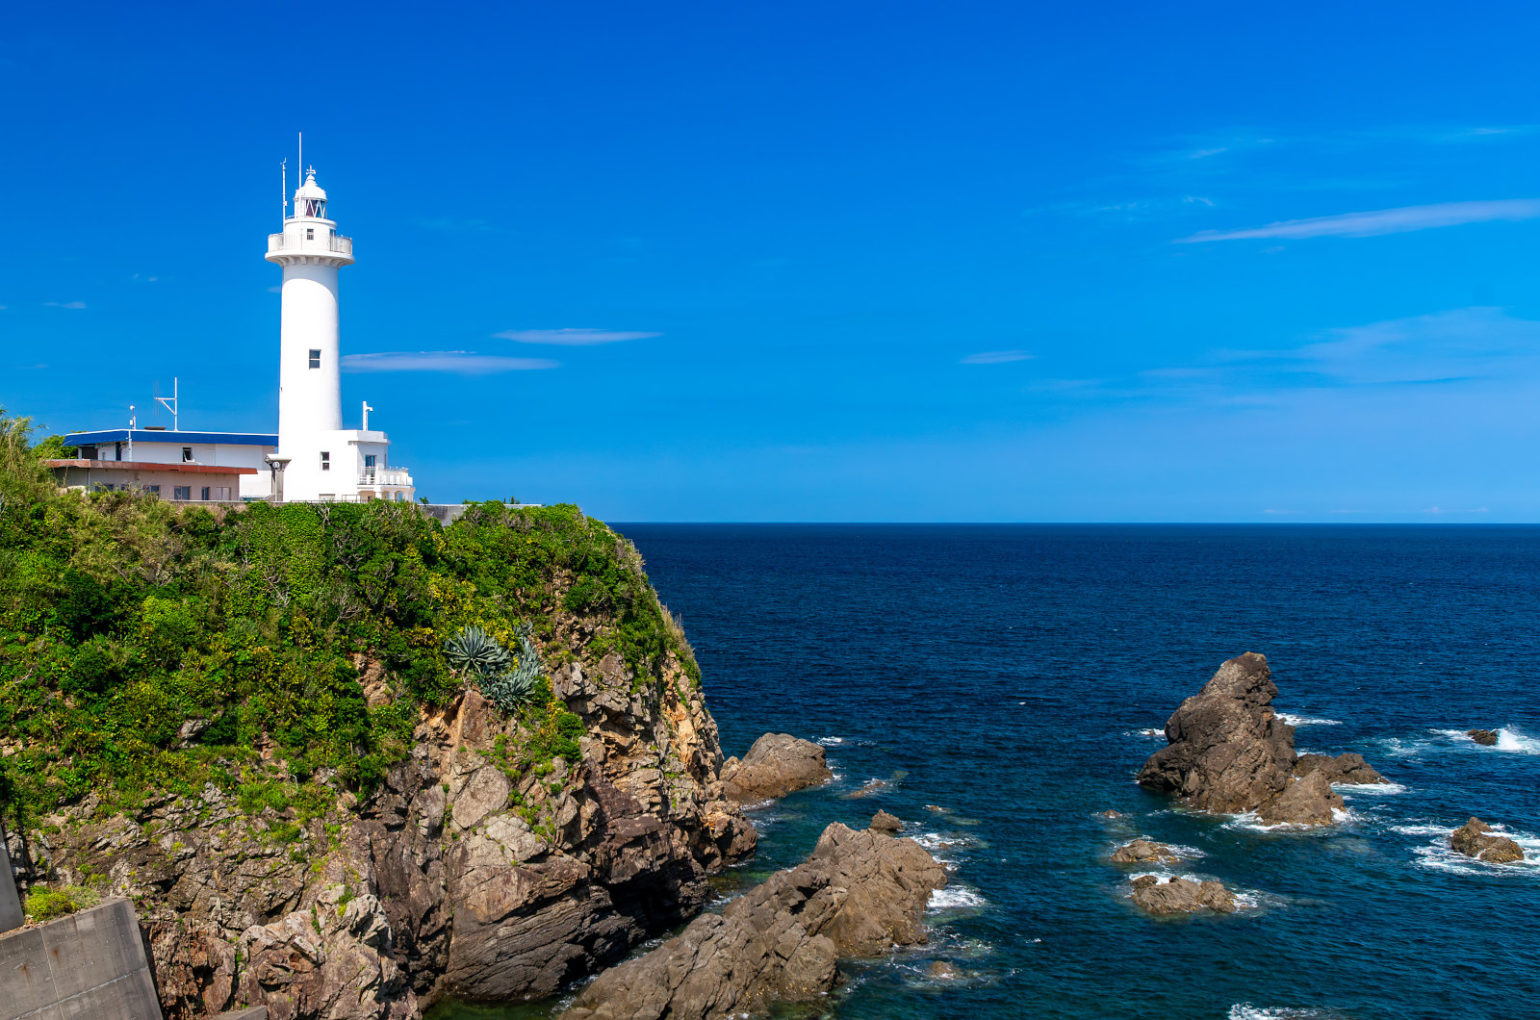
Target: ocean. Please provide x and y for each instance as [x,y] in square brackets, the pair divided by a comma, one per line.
[1002,685]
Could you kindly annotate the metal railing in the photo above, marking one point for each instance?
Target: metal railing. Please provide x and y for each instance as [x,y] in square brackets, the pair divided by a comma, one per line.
[385,476]
[337,243]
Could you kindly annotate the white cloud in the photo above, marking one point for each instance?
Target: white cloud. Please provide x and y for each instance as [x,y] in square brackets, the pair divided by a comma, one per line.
[142,278]
[572,337]
[459,362]
[1381,221]
[997,357]
[72,305]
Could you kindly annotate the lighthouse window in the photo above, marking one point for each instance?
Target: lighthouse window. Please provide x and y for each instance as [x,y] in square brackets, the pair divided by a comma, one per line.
[310,233]
[315,358]
[326,461]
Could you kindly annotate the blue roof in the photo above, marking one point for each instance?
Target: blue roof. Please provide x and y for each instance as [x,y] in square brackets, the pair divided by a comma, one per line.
[167,436]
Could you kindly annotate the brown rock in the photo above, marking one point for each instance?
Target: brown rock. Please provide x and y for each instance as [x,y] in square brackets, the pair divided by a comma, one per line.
[943,971]
[1228,751]
[1471,839]
[1144,851]
[858,893]
[1307,801]
[886,824]
[1110,815]
[1181,896]
[1345,768]
[1486,738]
[776,765]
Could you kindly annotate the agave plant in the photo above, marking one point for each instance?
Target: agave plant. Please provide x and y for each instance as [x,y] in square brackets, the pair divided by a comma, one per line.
[507,681]
[475,651]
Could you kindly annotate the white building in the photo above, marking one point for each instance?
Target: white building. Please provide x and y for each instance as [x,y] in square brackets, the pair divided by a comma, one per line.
[312,458]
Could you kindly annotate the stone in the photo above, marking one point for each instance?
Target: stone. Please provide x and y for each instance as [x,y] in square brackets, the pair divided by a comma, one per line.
[1145,851]
[1181,896]
[885,823]
[776,765]
[1345,768]
[1471,839]
[1307,801]
[1486,738]
[943,971]
[1228,751]
[1110,815]
[857,894]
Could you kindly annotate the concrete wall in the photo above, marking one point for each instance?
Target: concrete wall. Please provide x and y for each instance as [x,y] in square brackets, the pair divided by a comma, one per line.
[10,902]
[90,964]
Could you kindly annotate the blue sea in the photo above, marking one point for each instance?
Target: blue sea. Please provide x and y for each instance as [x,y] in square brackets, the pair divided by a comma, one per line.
[1001,685]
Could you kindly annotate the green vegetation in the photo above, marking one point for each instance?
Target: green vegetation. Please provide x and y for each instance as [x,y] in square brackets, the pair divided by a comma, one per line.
[148,648]
[46,904]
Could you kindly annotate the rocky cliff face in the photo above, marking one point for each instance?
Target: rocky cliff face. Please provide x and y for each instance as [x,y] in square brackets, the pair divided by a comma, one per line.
[470,871]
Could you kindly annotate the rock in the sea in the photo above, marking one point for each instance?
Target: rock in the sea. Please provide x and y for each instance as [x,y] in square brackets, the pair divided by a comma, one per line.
[1181,896]
[885,823]
[1110,815]
[858,893]
[1228,751]
[776,765]
[1145,851]
[943,971]
[1306,801]
[1345,768]
[1471,839]
[1486,738]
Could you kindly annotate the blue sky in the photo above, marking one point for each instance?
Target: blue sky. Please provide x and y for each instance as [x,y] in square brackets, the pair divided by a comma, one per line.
[815,261]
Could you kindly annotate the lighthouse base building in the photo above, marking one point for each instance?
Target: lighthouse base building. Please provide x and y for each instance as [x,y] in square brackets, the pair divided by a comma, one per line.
[312,457]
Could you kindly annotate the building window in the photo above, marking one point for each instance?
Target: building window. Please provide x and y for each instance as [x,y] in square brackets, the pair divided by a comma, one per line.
[369,467]
[182,492]
[310,233]
[222,492]
[315,358]
[326,461]
[152,490]
[186,455]
[205,495]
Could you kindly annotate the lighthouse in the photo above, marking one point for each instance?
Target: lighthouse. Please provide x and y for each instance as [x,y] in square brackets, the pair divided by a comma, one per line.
[320,460]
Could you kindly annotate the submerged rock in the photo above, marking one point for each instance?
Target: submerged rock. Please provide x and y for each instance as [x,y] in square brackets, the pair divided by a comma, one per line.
[776,765]
[1307,801]
[886,824]
[857,894]
[1110,815]
[1181,896]
[1486,738]
[1228,751]
[1471,839]
[1145,851]
[943,971]
[1345,768]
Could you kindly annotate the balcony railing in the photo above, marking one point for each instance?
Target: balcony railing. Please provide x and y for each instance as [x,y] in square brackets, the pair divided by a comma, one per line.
[284,242]
[395,477]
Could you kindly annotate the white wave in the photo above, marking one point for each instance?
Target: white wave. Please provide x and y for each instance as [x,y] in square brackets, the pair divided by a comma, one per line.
[1153,733]
[1375,789]
[955,897]
[1423,830]
[1516,742]
[829,741]
[1306,720]
[1246,1011]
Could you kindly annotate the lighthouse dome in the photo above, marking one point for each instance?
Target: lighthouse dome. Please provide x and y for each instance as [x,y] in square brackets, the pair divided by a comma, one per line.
[310,198]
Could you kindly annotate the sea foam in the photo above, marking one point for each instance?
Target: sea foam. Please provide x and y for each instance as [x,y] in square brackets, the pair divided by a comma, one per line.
[1306,720]
[954,897]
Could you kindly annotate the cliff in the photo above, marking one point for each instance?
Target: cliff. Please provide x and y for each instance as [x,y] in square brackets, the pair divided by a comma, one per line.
[247,723]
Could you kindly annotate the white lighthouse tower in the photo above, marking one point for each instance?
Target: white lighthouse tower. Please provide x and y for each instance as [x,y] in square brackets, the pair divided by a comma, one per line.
[324,461]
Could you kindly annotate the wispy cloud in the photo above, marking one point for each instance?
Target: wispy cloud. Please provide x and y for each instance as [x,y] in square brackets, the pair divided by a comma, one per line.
[144,278]
[458,362]
[572,337]
[1381,221]
[72,305]
[997,357]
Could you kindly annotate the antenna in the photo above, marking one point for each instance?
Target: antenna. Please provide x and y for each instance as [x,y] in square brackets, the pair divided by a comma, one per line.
[300,166]
[284,178]
[171,404]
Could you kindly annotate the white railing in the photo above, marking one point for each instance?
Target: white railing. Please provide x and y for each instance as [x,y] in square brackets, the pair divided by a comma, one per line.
[283,242]
[385,476]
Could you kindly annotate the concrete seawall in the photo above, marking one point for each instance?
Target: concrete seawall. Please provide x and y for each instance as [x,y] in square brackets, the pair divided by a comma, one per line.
[90,964]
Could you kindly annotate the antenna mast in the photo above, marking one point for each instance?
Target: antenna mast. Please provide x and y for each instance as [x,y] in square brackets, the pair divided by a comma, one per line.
[171,404]
[284,178]
[301,167]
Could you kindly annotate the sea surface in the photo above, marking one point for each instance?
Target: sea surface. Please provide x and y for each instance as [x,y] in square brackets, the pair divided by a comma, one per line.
[1001,685]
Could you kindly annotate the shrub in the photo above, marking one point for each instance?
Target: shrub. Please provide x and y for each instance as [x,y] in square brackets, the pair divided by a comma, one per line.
[47,904]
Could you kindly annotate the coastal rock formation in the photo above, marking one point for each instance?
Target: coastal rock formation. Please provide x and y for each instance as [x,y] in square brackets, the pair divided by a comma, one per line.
[1471,839]
[858,893]
[466,873]
[1486,738]
[1307,801]
[1181,896]
[888,825]
[1145,851]
[1345,768]
[776,765]
[1228,751]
